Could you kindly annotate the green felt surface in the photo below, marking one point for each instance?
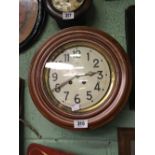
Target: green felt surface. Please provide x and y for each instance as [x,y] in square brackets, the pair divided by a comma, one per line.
[107,16]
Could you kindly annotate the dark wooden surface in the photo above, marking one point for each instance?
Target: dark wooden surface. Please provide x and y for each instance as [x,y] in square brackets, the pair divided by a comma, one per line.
[126,138]
[130,38]
[21,116]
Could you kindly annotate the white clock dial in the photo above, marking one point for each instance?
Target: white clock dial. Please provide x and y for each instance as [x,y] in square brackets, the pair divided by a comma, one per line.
[79,75]
[67,5]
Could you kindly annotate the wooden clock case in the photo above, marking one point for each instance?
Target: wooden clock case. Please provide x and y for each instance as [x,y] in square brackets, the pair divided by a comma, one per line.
[32,17]
[117,97]
[79,14]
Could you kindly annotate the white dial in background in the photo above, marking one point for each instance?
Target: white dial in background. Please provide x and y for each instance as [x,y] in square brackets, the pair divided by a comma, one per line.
[67,5]
[79,75]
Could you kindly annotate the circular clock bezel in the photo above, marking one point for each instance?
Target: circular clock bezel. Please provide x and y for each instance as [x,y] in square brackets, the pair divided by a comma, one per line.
[58,14]
[36,29]
[116,99]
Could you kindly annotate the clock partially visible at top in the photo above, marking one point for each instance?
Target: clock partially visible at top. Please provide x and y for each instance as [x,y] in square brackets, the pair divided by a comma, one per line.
[80,78]
[31,18]
[68,12]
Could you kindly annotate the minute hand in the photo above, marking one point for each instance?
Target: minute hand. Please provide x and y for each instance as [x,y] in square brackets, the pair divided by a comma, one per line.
[76,76]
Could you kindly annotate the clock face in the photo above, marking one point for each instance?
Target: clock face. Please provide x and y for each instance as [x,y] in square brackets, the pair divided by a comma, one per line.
[67,5]
[78,75]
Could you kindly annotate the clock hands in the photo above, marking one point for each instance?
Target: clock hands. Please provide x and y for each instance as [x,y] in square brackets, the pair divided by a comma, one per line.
[76,76]
[64,83]
[86,74]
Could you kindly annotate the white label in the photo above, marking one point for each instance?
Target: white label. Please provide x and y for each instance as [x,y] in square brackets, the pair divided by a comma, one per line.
[75,107]
[80,124]
[68,15]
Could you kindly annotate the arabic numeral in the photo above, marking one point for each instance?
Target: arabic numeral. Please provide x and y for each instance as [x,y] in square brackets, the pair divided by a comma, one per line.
[57,88]
[77,99]
[100,75]
[55,76]
[97,86]
[89,95]
[81,123]
[67,93]
[88,56]
[96,63]
[77,53]
[66,57]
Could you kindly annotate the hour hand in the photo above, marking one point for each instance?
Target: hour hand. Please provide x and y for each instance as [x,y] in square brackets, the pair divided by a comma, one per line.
[90,73]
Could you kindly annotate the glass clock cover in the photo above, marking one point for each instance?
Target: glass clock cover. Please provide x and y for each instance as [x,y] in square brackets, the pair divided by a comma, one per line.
[77,75]
[67,5]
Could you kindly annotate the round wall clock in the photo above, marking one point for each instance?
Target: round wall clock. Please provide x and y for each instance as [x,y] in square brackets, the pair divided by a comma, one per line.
[68,12]
[31,17]
[80,78]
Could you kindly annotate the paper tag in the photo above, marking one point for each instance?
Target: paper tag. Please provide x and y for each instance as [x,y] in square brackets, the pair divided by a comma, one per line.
[80,124]
[75,107]
[67,15]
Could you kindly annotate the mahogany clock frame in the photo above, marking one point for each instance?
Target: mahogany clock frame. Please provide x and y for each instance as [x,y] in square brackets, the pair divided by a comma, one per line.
[117,97]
